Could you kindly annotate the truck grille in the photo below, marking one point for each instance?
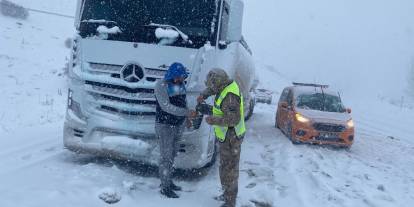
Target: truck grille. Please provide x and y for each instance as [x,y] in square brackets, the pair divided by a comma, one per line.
[108,87]
[329,127]
[128,113]
[114,99]
[129,101]
[120,100]
[115,70]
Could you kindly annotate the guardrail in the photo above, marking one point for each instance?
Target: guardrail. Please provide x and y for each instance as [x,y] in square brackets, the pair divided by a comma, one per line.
[11,9]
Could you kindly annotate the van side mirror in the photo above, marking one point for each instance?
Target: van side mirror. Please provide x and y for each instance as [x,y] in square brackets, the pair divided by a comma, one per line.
[234,30]
[348,110]
[284,105]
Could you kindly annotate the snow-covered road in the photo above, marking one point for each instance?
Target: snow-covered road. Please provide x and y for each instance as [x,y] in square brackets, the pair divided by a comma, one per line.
[274,172]
[374,172]
[35,170]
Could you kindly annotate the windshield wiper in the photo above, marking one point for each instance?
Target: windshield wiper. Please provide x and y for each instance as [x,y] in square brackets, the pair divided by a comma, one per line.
[182,34]
[99,21]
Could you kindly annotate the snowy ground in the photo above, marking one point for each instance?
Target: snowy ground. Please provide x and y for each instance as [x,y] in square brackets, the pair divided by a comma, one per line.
[36,171]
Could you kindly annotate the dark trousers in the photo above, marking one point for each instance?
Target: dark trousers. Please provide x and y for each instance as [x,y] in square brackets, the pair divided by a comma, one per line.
[168,135]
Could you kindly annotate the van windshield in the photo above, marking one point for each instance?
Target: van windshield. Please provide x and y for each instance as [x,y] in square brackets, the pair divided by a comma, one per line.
[320,102]
[136,20]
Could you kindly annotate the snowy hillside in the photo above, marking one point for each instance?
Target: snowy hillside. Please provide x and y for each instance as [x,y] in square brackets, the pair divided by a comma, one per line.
[363,48]
[32,61]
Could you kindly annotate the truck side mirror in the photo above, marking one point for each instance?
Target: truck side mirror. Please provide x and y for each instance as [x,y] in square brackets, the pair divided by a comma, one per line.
[222,45]
[234,30]
[255,83]
[77,16]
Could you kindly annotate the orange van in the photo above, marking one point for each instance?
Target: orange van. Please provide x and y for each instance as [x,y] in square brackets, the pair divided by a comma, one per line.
[311,113]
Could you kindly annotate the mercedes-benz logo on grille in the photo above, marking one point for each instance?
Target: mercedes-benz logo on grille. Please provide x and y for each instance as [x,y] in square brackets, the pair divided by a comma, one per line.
[132,73]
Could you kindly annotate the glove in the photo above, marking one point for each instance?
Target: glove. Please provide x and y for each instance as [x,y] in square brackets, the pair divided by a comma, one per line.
[209,120]
[200,99]
[192,114]
[204,109]
[188,123]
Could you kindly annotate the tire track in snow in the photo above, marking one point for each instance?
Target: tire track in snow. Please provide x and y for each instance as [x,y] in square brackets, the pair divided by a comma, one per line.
[314,173]
[383,142]
[27,163]
[25,147]
[325,176]
[28,155]
[332,178]
[384,125]
[288,160]
[267,162]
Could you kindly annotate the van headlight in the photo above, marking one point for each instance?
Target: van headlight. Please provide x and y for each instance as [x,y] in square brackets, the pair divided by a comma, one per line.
[350,123]
[301,118]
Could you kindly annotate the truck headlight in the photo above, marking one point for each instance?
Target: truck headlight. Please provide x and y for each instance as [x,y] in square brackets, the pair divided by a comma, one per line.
[301,118]
[74,106]
[350,124]
[70,95]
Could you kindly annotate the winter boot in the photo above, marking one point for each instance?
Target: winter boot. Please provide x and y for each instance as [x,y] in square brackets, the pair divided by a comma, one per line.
[175,187]
[225,205]
[169,193]
[219,198]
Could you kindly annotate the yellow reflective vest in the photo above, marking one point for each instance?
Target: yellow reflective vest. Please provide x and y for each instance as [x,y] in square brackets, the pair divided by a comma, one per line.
[240,128]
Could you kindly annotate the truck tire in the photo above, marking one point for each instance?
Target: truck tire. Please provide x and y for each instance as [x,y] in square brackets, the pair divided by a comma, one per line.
[213,158]
[251,110]
[276,120]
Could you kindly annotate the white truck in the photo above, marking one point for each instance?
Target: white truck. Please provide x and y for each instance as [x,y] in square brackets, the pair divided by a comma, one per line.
[123,47]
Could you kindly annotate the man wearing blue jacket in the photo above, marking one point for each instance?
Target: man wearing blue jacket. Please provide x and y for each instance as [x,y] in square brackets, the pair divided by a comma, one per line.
[171,114]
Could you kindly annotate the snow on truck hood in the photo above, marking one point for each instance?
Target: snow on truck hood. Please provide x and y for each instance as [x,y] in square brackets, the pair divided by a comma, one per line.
[325,117]
[148,55]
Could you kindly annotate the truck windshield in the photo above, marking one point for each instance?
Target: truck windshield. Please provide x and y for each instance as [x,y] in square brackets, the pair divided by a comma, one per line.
[136,20]
[320,102]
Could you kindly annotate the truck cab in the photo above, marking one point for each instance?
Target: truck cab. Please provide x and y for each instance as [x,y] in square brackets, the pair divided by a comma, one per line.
[119,52]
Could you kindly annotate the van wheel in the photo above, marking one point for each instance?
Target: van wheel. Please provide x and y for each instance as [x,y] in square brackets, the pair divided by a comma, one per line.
[251,110]
[277,120]
[290,134]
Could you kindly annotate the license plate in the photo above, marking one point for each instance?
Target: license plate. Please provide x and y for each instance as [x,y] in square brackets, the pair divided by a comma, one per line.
[329,135]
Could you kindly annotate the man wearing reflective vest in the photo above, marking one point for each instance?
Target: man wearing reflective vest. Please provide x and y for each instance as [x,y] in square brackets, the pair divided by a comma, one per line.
[227,117]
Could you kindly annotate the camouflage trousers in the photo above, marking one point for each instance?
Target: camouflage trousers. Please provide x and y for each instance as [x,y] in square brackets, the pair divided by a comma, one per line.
[229,167]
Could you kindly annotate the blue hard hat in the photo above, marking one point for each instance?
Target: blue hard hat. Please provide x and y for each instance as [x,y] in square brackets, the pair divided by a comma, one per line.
[176,70]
